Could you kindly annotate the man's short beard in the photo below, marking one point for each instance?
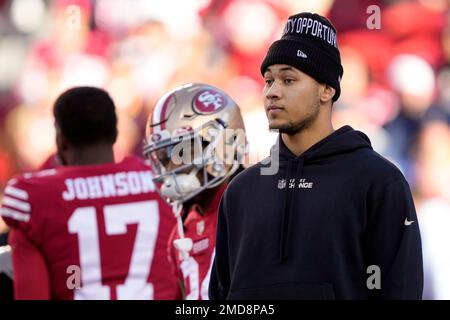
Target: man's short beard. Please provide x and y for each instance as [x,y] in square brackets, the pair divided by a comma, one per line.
[292,128]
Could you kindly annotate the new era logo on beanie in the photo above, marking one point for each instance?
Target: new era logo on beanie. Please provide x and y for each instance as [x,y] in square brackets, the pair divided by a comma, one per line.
[309,43]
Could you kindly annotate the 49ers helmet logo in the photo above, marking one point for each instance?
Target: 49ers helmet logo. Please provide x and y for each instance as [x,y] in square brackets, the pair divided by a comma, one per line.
[208,101]
[155,137]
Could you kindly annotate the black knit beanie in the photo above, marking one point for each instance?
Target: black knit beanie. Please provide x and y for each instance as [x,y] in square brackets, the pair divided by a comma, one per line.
[309,43]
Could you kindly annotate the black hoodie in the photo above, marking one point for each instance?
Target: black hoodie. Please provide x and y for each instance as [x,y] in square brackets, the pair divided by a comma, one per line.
[336,222]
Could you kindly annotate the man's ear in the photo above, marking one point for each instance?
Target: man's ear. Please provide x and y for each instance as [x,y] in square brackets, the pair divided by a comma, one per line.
[327,93]
[61,142]
[62,145]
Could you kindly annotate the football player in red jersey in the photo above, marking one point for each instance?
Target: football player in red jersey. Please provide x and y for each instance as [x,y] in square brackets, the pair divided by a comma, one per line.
[93,228]
[195,143]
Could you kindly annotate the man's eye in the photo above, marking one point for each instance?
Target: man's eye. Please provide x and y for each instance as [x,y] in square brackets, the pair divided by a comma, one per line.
[268,81]
[288,81]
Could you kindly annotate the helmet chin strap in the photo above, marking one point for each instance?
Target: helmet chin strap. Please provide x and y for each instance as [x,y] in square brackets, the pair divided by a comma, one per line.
[183,244]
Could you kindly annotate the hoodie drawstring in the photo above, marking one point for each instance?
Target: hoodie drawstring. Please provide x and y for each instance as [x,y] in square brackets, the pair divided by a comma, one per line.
[288,206]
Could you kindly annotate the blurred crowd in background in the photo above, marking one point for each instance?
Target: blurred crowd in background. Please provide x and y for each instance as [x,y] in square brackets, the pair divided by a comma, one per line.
[395,88]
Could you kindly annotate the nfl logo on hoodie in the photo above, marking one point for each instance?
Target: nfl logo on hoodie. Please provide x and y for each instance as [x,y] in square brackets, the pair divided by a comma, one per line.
[282,184]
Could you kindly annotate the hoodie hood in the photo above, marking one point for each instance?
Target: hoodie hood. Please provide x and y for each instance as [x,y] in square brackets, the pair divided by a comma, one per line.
[343,140]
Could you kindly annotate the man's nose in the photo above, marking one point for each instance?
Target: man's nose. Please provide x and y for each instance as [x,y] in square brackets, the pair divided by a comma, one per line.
[273,92]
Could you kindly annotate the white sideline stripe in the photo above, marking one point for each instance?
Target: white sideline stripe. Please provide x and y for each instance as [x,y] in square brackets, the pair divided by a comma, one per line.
[5,212]
[17,193]
[16,204]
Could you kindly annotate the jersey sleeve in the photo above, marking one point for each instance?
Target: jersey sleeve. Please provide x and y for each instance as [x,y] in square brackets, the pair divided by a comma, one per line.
[16,206]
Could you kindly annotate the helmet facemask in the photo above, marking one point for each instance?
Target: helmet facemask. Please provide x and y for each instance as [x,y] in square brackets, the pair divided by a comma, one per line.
[187,163]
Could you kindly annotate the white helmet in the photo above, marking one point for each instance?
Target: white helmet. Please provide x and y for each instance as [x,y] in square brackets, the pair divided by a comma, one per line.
[195,130]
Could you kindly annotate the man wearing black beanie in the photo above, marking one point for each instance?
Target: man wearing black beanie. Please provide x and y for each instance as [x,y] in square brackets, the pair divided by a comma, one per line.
[334,219]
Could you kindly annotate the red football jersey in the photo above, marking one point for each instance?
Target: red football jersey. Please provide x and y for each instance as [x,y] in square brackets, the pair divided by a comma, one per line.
[195,271]
[104,224]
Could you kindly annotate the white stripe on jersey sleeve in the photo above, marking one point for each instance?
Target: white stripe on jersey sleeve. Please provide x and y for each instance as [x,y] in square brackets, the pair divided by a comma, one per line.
[20,216]
[16,193]
[16,204]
